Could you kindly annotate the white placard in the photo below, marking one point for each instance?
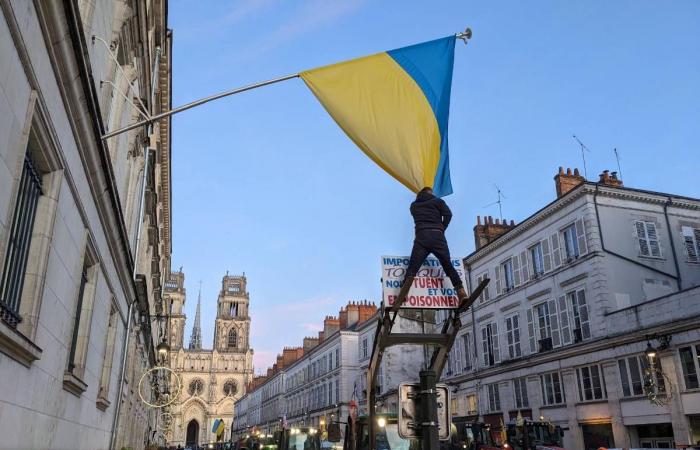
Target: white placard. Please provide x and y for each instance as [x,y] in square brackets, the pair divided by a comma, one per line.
[431,289]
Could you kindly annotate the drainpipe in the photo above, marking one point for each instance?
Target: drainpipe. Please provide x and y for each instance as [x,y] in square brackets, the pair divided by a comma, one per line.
[673,247]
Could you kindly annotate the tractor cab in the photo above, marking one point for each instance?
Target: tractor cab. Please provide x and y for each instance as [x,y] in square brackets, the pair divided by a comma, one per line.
[471,435]
[386,434]
[299,438]
[532,435]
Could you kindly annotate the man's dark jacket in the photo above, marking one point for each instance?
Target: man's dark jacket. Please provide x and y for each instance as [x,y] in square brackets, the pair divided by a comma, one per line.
[430,212]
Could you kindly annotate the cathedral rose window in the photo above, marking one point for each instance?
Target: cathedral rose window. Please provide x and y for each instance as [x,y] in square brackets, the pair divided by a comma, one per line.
[196,387]
[230,388]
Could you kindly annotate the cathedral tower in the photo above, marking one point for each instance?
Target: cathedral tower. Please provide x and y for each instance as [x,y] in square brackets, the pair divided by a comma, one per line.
[232,319]
[196,336]
[175,299]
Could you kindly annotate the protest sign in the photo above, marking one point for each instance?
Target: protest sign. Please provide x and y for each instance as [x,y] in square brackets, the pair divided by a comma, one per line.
[431,288]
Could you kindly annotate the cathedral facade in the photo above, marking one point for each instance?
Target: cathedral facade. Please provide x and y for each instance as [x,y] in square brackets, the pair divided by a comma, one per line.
[211,380]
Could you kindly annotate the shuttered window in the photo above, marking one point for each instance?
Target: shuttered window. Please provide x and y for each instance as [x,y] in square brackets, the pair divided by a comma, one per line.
[489,339]
[485,294]
[520,388]
[591,383]
[537,258]
[494,397]
[691,241]
[17,252]
[647,238]
[690,364]
[508,276]
[468,352]
[579,315]
[552,392]
[513,336]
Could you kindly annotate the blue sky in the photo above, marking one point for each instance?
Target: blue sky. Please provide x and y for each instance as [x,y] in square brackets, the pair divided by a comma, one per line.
[265,183]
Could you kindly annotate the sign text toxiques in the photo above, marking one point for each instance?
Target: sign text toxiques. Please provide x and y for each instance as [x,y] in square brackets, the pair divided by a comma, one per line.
[431,289]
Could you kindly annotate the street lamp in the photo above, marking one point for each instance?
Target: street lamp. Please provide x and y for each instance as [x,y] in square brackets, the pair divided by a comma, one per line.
[651,354]
[163,349]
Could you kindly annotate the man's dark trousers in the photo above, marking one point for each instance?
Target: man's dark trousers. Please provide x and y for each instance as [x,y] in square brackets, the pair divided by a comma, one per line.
[433,241]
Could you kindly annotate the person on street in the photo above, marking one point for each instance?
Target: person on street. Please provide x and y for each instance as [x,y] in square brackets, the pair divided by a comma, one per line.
[431,216]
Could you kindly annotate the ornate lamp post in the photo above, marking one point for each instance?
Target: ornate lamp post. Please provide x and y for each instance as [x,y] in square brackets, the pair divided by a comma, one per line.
[656,385]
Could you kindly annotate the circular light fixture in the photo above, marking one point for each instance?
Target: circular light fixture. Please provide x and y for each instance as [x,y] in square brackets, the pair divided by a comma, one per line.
[381,422]
[650,351]
[163,349]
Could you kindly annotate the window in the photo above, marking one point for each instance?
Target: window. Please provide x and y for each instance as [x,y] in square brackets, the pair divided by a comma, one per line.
[689,364]
[513,336]
[17,252]
[107,357]
[520,388]
[485,295]
[489,337]
[691,240]
[508,279]
[494,397]
[579,315]
[471,404]
[234,288]
[232,339]
[591,383]
[337,358]
[633,371]
[570,242]
[552,392]
[82,321]
[537,259]
[337,391]
[543,325]
[467,346]
[647,238]
[365,348]
[196,387]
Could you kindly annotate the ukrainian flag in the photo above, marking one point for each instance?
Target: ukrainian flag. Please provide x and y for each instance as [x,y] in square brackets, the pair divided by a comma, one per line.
[395,106]
[218,427]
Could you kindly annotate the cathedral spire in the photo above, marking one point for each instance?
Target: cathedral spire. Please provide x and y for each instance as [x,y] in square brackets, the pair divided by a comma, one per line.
[196,336]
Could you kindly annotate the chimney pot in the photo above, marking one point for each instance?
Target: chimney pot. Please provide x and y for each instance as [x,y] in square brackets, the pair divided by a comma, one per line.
[561,170]
[568,171]
[576,171]
[478,220]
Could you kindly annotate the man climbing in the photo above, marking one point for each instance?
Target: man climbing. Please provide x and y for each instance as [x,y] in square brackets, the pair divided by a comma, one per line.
[431,216]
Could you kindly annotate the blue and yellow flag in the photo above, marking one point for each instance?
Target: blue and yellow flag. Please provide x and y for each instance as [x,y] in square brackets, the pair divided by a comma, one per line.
[395,106]
[218,427]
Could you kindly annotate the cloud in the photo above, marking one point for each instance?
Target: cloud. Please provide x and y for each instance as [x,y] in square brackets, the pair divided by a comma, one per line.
[263,359]
[236,13]
[312,15]
[313,327]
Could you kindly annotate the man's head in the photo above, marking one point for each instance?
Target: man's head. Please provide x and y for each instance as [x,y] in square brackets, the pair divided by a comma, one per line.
[426,190]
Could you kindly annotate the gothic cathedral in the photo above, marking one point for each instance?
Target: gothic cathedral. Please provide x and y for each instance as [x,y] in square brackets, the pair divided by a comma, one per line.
[211,379]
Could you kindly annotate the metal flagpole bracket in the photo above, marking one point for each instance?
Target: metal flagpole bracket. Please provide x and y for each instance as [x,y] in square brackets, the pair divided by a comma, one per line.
[465,35]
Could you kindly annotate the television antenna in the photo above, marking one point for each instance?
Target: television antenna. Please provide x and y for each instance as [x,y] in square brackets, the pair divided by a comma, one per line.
[584,149]
[617,158]
[498,202]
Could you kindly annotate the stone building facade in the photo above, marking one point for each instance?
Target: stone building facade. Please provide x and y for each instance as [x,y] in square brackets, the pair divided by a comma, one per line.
[578,293]
[84,222]
[212,379]
[312,384]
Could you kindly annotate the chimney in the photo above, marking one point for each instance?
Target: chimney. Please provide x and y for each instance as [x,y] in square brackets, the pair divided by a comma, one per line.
[330,326]
[366,311]
[353,312]
[321,336]
[343,318]
[310,343]
[291,354]
[608,178]
[566,181]
[490,230]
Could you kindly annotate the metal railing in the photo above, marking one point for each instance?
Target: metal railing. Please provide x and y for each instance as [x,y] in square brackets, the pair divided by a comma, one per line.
[17,253]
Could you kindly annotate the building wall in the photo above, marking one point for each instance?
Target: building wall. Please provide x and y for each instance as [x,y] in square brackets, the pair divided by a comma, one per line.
[80,223]
[631,298]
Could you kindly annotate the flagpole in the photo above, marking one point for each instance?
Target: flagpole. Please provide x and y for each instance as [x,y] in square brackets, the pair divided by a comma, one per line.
[197,103]
[464,36]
